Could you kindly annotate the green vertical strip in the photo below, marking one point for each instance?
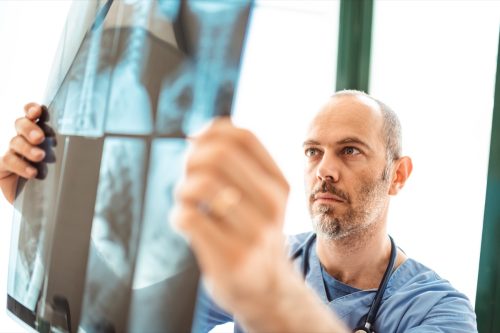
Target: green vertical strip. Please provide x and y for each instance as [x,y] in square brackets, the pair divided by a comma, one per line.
[488,285]
[355,35]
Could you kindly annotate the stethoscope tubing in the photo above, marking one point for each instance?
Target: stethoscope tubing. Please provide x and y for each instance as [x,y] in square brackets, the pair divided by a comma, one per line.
[305,248]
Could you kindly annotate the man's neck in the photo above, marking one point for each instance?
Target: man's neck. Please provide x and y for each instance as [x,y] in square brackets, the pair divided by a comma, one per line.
[358,260]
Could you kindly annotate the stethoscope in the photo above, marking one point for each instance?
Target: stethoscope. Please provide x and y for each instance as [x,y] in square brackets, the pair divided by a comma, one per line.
[305,249]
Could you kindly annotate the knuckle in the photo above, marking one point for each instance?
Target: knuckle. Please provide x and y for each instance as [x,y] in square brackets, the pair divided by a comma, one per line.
[19,145]
[181,219]
[218,154]
[8,159]
[206,157]
[3,160]
[191,162]
[194,187]
[285,186]
[18,122]
[246,135]
[188,191]
[13,141]
[199,182]
[31,105]
[181,193]
[204,184]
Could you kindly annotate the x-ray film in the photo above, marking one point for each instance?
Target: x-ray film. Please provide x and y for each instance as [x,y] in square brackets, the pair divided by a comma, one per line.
[92,247]
[114,236]
[164,265]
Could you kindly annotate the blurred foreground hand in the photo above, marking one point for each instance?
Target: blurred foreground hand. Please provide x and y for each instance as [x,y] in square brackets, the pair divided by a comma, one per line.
[231,206]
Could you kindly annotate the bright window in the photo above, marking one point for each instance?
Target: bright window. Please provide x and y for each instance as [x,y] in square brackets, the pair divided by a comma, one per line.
[30,32]
[434,63]
[288,73]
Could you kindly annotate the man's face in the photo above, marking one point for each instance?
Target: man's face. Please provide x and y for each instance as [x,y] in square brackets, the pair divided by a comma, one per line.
[345,163]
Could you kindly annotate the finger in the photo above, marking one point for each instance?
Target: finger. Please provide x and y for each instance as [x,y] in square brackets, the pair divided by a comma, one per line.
[223,129]
[23,148]
[196,188]
[201,192]
[30,131]
[15,164]
[209,241]
[33,111]
[236,168]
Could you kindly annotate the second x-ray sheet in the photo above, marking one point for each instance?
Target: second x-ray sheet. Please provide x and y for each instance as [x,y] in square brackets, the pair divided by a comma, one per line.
[92,247]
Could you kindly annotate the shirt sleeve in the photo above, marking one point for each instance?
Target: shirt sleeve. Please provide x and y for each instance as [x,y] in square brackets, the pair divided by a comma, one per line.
[208,314]
[451,315]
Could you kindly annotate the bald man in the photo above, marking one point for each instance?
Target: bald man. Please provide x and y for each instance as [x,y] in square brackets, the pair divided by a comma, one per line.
[347,275]
[232,204]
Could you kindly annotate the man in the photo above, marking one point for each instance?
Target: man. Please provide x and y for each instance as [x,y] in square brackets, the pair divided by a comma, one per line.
[231,207]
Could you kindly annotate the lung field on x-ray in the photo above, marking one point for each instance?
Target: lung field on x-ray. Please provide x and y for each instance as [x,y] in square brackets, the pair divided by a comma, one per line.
[115,231]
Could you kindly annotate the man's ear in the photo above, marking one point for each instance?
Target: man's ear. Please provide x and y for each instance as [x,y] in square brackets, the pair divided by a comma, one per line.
[402,170]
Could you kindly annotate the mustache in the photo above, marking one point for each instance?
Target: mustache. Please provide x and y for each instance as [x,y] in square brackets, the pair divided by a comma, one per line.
[328,187]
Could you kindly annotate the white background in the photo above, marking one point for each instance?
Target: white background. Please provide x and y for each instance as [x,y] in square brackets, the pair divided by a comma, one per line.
[29,34]
[433,62]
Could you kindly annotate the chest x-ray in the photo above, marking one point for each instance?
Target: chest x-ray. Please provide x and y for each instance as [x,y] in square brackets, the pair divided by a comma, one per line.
[92,246]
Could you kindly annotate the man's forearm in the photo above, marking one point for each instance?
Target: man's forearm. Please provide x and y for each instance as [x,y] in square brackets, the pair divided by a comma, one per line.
[290,307]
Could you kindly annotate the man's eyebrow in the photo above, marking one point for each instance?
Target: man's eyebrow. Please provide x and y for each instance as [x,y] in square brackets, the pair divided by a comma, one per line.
[348,140]
[354,140]
[311,143]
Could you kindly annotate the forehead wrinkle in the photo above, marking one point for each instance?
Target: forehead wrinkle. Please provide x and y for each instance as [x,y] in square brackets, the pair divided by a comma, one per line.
[350,119]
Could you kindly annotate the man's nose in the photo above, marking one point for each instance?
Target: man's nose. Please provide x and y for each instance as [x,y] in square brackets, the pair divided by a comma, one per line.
[328,169]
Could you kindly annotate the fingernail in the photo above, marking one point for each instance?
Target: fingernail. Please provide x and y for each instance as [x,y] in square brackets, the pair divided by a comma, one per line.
[30,172]
[38,153]
[32,112]
[35,135]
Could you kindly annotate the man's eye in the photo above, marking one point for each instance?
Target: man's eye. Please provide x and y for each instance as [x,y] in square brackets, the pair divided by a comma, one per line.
[351,151]
[310,152]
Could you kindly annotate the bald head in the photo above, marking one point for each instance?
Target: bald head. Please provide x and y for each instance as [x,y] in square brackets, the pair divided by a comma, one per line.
[391,127]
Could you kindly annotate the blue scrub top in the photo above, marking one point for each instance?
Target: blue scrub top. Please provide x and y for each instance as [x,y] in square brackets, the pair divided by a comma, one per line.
[416,300]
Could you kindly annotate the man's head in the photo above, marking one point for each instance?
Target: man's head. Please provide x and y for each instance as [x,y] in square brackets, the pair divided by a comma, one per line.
[353,164]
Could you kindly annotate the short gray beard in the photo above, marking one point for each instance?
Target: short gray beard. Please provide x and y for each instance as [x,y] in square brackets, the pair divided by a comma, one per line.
[356,222]
[326,226]
[336,229]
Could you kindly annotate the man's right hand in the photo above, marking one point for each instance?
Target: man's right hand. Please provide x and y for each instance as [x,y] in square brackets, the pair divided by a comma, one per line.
[22,149]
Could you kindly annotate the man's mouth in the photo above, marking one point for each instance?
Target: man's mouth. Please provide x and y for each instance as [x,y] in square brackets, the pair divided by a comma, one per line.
[328,197]
[327,193]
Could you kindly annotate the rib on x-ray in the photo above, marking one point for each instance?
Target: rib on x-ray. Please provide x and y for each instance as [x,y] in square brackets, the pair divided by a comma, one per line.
[92,248]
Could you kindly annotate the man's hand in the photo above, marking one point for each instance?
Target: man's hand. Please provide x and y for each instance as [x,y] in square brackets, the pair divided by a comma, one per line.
[231,206]
[22,149]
